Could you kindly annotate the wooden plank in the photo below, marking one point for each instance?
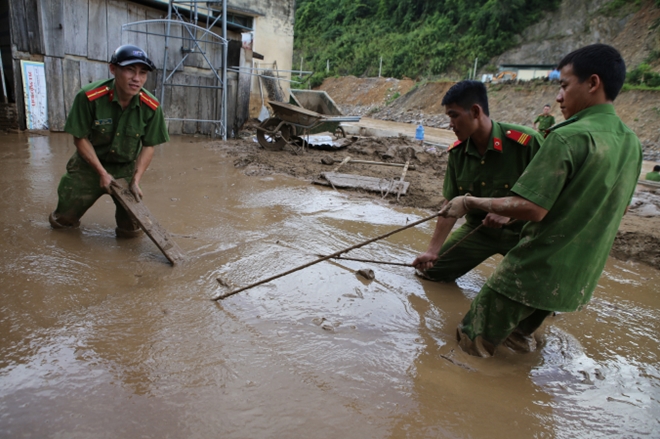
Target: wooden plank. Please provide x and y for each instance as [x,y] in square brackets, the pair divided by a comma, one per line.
[156,43]
[19,31]
[136,13]
[71,69]
[97,39]
[191,104]
[55,93]
[176,104]
[369,162]
[52,25]
[76,14]
[117,12]
[150,84]
[206,105]
[91,71]
[174,45]
[232,89]
[373,184]
[147,222]
[243,93]
[33,25]
[649,183]
[18,93]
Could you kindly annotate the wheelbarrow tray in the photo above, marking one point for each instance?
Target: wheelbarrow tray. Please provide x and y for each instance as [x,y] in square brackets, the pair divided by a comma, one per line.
[320,102]
[295,115]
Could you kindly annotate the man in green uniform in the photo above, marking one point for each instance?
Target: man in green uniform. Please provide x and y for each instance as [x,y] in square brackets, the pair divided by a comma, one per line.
[545,120]
[655,174]
[115,125]
[574,194]
[486,161]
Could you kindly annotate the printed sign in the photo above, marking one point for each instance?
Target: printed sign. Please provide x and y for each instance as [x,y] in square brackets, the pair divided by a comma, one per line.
[34,93]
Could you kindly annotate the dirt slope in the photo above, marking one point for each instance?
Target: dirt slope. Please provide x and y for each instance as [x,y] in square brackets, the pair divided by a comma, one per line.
[513,103]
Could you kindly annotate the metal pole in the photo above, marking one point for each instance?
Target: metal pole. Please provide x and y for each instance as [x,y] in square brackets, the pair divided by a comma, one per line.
[327,66]
[224,69]
[301,66]
[474,73]
[380,67]
[2,76]
[167,35]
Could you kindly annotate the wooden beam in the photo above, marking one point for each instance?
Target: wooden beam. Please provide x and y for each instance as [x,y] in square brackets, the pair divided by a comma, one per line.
[147,222]
[374,184]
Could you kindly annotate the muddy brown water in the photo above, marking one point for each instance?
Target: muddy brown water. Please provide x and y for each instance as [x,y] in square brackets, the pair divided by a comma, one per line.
[102,338]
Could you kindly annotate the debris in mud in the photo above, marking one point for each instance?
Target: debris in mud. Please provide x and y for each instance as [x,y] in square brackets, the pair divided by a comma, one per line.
[367,273]
[325,324]
[384,186]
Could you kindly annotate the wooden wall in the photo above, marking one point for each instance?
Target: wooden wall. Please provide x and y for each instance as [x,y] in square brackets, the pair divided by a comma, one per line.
[76,38]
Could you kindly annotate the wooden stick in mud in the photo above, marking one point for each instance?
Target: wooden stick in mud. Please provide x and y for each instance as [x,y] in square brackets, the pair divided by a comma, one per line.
[345,258]
[402,179]
[403,264]
[324,258]
[369,162]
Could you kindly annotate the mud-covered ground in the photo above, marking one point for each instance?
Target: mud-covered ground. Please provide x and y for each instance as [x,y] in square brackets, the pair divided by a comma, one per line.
[638,238]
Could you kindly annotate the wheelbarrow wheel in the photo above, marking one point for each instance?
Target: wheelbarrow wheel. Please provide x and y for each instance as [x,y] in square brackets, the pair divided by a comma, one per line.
[273,141]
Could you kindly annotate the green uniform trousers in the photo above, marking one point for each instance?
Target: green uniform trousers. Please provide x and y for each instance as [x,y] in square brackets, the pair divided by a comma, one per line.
[483,244]
[79,189]
[493,317]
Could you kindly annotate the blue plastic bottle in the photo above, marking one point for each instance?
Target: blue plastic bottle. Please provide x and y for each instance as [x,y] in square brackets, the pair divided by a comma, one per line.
[419,132]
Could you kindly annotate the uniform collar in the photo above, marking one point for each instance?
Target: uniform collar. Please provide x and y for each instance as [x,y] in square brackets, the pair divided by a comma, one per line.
[595,109]
[494,143]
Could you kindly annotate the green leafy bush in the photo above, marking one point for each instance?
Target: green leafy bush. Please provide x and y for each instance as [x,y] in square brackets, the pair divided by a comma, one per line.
[416,38]
[643,75]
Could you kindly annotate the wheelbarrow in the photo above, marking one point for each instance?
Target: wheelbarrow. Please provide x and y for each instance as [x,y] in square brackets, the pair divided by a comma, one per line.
[289,121]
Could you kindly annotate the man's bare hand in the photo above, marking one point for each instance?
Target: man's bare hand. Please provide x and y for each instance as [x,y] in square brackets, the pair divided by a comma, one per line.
[425,261]
[135,190]
[455,208]
[106,181]
[495,221]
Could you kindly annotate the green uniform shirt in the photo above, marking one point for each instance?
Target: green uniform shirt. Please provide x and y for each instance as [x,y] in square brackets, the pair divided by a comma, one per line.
[585,175]
[116,134]
[494,174]
[653,176]
[544,122]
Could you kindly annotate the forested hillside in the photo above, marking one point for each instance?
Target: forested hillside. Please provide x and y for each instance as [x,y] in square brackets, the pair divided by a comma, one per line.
[414,37]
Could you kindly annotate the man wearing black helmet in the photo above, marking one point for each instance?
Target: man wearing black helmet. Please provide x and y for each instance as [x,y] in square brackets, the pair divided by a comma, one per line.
[115,124]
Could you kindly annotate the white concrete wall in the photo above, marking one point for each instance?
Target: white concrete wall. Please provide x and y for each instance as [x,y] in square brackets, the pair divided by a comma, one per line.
[273,38]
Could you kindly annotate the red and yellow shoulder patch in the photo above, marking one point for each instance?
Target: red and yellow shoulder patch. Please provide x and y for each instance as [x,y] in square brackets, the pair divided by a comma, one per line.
[519,137]
[97,92]
[149,101]
[456,143]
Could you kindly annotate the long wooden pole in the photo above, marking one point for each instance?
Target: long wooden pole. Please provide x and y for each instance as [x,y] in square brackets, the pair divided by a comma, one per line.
[324,258]
[346,258]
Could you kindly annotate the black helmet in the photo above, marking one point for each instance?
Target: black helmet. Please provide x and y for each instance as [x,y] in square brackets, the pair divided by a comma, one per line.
[128,54]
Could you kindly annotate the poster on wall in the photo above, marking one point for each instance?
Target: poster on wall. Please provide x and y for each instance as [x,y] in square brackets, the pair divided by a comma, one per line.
[34,93]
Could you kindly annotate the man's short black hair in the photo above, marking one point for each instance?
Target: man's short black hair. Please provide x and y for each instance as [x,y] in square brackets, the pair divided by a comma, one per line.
[546,105]
[467,93]
[656,168]
[598,59]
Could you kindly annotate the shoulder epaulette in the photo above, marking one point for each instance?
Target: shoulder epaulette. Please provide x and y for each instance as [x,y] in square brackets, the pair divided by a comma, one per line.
[456,143]
[97,92]
[518,136]
[151,103]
